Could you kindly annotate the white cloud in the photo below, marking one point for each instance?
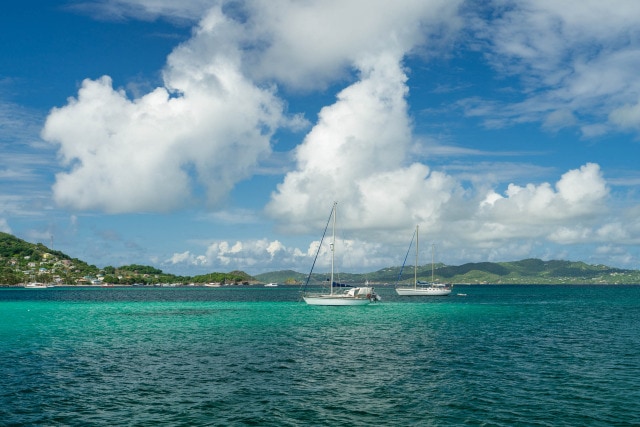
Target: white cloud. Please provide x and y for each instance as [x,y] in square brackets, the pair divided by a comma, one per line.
[564,214]
[187,258]
[270,255]
[535,219]
[626,116]
[613,232]
[566,235]
[311,43]
[181,257]
[148,154]
[580,194]
[148,10]
[274,247]
[210,125]
[243,255]
[356,154]
[577,65]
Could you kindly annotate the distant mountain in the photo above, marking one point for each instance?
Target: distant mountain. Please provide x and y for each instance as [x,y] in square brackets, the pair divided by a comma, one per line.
[536,271]
[527,271]
[282,276]
[21,261]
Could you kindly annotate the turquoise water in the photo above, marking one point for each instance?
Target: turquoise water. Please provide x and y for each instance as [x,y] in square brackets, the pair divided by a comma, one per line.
[500,356]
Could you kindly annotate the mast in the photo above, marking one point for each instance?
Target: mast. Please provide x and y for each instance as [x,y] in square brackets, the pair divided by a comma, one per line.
[415,269]
[333,245]
[432,255]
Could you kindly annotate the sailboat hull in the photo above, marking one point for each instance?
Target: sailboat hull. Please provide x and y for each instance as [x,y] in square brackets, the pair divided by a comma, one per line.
[335,300]
[423,291]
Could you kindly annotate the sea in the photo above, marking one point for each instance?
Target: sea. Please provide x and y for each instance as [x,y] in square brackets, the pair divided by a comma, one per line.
[252,356]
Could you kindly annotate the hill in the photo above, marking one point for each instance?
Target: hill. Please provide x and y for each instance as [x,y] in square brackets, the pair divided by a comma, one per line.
[22,262]
[536,271]
[527,271]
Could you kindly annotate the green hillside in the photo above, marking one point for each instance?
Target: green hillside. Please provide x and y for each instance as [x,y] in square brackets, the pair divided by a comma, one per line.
[528,271]
[22,262]
[535,271]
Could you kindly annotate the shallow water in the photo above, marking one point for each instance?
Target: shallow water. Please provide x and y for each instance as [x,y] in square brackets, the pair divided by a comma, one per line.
[500,356]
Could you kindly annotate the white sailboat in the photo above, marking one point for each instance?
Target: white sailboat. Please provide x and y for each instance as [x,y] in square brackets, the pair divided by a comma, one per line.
[350,296]
[432,288]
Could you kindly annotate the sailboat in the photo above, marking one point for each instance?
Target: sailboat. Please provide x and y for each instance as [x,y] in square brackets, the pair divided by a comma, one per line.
[432,288]
[345,296]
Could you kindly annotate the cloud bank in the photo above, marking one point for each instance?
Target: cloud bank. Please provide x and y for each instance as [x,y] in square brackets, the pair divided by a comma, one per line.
[212,122]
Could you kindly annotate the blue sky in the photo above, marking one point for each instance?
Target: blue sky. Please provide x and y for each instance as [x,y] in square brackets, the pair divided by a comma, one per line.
[215,135]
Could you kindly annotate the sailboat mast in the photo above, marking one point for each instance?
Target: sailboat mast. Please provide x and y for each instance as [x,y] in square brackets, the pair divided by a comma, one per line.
[415,268]
[333,245]
[432,261]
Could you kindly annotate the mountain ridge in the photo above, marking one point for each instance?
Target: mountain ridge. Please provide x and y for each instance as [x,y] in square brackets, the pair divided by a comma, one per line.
[21,261]
[526,271]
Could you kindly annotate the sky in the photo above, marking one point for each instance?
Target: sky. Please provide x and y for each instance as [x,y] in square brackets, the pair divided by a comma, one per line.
[205,135]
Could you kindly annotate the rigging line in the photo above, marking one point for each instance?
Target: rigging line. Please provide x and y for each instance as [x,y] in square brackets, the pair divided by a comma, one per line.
[406,256]
[320,245]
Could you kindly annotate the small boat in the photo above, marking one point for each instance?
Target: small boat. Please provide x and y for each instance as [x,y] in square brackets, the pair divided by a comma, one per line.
[432,288]
[360,295]
[271,285]
[35,285]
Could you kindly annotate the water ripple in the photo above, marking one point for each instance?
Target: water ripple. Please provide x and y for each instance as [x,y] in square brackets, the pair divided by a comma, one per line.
[499,357]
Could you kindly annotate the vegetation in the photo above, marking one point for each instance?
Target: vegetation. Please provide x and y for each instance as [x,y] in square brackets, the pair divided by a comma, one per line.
[528,271]
[22,262]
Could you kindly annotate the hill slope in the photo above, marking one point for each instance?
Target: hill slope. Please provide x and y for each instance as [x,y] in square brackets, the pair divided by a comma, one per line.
[21,262]
[528,271]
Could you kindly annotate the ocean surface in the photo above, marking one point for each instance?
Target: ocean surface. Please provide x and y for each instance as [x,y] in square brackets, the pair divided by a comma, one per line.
[248,356]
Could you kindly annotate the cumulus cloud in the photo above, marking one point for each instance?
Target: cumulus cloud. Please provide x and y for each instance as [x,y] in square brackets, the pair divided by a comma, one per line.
[310,44]
[477,226]
[269,255]
[564,214]
[242,255]
[357,153]
[359,150]
[579,192]
[208,127]
[187,258]
[211,123]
